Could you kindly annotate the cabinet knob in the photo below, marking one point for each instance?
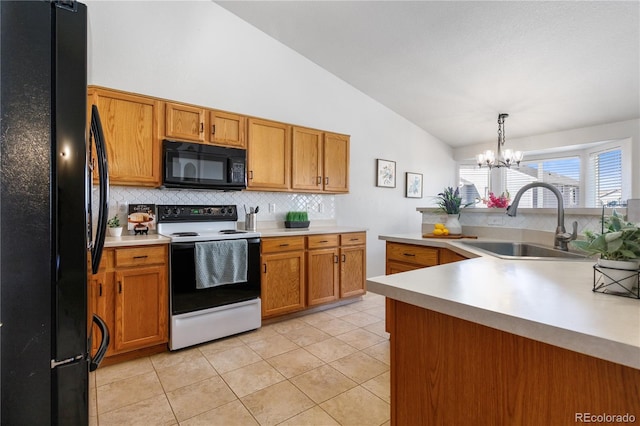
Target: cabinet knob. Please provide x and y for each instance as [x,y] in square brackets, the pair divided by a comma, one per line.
[409,254]
[201,127]
[335,258]
[326,180]
[213,129]
[120,287]
[318,180]
[100,289]
[344,258]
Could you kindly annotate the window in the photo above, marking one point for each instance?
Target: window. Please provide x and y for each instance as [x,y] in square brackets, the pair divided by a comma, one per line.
[474,183]
[563,173]
[594,176]
[605,176]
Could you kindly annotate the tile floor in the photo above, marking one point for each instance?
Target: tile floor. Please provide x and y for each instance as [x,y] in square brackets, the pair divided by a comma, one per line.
[324,368]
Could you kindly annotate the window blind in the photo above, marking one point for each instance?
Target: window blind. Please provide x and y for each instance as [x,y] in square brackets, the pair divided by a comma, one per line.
[605,174]
[563,173]
[475,183]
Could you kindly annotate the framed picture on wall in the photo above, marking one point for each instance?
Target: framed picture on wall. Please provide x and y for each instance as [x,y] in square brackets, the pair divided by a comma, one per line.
[414,185]
[386,173]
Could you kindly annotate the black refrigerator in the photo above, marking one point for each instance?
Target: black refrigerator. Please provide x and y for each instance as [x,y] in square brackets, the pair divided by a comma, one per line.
[46,234]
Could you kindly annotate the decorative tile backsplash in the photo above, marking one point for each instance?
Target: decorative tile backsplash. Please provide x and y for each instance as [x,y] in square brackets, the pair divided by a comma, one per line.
[542,221]
[319,206]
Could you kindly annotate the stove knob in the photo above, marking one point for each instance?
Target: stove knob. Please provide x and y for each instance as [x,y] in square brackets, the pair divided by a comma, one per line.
[230,209]
[209,210]
[175,210]
[223,210]
[167,210]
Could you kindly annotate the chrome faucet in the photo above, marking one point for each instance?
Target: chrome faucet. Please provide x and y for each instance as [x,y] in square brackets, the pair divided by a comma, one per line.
[562,237]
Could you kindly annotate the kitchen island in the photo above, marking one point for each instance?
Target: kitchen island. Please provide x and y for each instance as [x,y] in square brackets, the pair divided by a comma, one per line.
[495,341]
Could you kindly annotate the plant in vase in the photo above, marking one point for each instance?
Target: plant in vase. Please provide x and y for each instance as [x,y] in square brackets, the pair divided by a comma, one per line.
[619,248]
[449,201]
[115,230]
[296,220]
[500,202]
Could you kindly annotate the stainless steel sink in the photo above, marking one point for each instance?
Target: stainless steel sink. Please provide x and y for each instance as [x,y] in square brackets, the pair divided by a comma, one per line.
[513,250]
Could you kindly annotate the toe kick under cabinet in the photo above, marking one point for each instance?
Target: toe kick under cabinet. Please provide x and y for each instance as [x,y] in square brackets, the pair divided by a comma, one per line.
[130,293]
[300,272]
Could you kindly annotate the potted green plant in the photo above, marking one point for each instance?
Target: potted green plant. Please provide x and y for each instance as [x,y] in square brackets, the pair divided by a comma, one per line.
[618,247]
[449,201]
[113,226]
[296,220]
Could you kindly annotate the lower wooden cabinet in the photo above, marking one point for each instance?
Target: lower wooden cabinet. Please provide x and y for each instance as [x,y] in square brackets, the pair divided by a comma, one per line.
[141,307]
[407,257]
[353,264]
[300,272]
[130,293]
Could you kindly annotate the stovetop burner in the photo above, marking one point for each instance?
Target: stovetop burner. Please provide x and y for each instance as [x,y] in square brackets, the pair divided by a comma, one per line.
[185,234]
[232,231]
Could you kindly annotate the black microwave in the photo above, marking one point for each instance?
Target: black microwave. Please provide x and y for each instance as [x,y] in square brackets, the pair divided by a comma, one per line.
[198,166]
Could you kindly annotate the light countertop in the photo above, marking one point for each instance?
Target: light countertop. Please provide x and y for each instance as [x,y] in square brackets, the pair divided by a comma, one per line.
[548,301]
[136,240]
[285,232]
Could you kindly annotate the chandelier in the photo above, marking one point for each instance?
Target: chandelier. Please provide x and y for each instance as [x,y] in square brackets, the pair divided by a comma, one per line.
[502,159]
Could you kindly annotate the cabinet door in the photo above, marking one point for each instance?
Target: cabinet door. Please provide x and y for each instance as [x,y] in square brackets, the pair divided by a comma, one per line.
[323,276]
[101,303]
[141,307]
[185,122]
[268,155]
[282,283]
[336,163]
[449,256]
[227,129]
[130,127]
[306,159]
[352,271]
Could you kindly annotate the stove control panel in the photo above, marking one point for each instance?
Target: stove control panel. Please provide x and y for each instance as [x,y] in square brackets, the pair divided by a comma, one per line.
[197,213]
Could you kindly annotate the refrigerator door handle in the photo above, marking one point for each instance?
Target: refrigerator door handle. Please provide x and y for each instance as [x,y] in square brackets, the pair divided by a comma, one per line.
[102,350]
[103,174]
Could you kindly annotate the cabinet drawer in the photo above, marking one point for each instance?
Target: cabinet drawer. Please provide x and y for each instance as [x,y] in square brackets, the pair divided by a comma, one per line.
[320,241]
[425,256]
[353,239]
[135,256]
[278,244]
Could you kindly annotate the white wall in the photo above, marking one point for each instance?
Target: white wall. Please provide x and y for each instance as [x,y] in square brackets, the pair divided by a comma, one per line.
[198,52]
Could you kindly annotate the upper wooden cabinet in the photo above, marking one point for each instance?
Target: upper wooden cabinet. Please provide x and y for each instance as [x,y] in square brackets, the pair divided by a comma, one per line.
[306,158]
[130,124]
[280,157]
[320,161]
[227,129]
[336,163]
[268,155]
[185,122]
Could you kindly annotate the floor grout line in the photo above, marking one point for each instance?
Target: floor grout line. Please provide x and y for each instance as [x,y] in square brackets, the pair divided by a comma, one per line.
[280,329]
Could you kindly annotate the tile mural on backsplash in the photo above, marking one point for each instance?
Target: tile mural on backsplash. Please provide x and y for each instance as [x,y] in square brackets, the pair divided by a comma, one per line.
[319,206]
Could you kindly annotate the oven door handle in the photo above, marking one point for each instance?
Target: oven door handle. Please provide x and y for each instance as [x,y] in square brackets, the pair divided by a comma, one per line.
[190,245]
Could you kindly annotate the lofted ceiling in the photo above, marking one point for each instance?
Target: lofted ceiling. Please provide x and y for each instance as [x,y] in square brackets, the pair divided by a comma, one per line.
[451,66]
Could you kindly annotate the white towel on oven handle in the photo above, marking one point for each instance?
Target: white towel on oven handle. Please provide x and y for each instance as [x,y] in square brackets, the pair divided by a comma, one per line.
[221,262]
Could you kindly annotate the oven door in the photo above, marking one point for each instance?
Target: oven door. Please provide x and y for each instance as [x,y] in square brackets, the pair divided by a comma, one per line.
[185,297]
